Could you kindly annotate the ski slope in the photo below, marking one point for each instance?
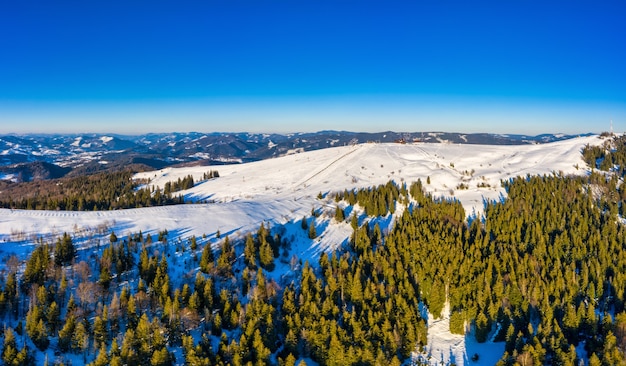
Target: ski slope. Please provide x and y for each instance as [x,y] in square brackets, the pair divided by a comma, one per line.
[284,190]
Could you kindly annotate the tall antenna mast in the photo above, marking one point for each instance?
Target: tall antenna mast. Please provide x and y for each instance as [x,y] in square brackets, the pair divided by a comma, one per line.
[611,127]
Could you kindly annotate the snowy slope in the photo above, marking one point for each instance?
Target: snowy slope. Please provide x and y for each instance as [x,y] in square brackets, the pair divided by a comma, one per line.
[283,190]
[303,175]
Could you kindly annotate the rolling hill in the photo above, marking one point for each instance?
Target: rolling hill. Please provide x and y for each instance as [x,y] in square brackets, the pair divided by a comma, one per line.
[286,188]
[78,154]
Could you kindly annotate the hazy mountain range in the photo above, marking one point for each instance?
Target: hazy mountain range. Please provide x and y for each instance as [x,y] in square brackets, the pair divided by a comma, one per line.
[38,156]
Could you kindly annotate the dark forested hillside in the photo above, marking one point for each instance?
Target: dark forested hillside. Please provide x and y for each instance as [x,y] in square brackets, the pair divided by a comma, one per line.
[102,191]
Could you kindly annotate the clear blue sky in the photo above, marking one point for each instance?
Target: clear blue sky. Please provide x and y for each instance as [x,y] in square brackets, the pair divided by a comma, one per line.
[285,66]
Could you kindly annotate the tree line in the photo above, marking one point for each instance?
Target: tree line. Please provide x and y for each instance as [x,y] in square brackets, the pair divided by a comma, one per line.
[102,191]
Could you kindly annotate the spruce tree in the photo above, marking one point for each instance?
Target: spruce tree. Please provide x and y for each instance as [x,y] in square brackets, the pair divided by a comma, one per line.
[207,259]
[64,250]
[36,329]
[266,256]
[250,252]
[312,231]
[339,214]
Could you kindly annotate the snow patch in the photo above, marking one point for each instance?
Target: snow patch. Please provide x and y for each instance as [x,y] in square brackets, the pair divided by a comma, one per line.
[77,142]
[200,155]
[445,348]
[9,177]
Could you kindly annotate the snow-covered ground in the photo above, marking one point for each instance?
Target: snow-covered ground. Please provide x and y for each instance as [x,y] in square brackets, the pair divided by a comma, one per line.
[448,348]
[284,190]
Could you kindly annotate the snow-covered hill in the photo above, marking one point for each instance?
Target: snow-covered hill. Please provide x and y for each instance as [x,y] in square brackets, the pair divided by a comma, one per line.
[85,153]
[284,190]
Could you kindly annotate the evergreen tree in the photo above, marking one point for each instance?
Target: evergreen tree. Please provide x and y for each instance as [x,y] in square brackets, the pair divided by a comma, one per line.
[482,327]
[64,250]
[250,252]
[80,338]
[37,265]
[36,329]
[66,333]
[102,359]
[100,332]
[53,317]
[226,258]
[266,256]
[312,231]
[207,259]
[10,353]
[339,214]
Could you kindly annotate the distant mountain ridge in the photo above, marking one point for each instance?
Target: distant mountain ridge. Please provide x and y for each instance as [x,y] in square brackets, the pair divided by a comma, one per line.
[77,154]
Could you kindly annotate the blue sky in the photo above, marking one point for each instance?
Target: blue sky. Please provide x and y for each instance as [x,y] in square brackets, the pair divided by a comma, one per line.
[288,66]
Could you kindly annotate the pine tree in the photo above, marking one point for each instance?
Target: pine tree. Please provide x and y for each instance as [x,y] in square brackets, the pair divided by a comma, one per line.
[250,252]
[9,349]
[128,352]
[290,360]
[36,329]
[102,359]
[354,222]
[482,327]
[66,333]
[245,281]
[105,277]
[100,333]
[610,353]
[142,338]
[37,265]
[80,338]
[260,351]
[266,256]
[194,302]
[336,351]
[160,357]
[64,250]
[207,259]
[10,292]
[312,231]
[339,214]
[594,360]
[226,258]
[11,355]
[131,312]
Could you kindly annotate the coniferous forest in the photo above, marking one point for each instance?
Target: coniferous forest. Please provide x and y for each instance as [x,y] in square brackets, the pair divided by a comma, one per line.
[101,191]
[543,271]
